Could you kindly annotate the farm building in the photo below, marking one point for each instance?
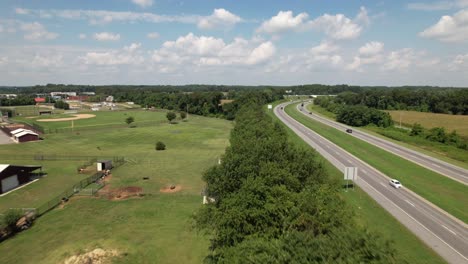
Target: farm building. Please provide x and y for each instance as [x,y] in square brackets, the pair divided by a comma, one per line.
[104,165]
[12,176]
[24,135]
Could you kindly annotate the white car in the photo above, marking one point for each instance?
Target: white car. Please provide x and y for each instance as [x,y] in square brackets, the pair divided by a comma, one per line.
[395,183]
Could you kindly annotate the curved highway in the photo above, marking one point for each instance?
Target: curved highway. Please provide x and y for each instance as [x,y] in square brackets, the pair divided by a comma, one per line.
[444,234]
[441,167]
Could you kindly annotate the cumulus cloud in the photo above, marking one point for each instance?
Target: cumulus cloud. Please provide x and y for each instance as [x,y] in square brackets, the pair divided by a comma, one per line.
[325,47]
[106,36]
[371,48]
[153,35]
[21,11]
[436,6]
[459,62]
[210,51]
[219,18]
[82,36]
[36,31]
[129,55]
[49,60]
[336,26]
[449,28]
[283,21]
[400,59]
[143,3]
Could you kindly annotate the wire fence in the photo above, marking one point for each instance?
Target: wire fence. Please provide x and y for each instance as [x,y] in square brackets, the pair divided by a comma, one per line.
[61,157]
[100,127]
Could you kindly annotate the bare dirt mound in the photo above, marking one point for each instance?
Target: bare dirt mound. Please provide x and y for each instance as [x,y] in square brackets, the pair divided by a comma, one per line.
[76,117]
[171,189]
[121,193]
[97,256]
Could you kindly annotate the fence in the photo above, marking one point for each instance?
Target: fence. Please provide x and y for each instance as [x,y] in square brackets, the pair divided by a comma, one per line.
[74,189]
[61,157]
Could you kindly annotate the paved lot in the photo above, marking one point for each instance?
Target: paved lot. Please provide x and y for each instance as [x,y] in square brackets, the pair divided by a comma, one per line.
[4,139]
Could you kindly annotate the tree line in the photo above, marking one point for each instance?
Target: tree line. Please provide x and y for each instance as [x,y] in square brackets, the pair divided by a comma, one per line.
[273,202]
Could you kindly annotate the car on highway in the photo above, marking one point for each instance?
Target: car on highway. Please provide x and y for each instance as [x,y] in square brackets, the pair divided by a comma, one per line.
[395,183]
[310,113]
[349,130]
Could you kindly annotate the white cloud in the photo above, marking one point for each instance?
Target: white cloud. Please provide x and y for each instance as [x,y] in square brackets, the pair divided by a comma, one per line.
[1,28]
[3,60]
[209,51]
[449,28]
[399,60]
[82,36]
[436,6]
[143,3]
[325,47]
[36,31]
[50,60]
[21,11]
[153,35]
[283,21]
[459,62]
[219,18]
[336,26]
[371,48]
[129,55]
[106,36]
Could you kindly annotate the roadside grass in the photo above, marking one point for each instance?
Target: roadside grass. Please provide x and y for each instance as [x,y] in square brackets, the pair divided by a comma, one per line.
[431,120]
[102,118]
[447,153]
[369,214]
[447,194]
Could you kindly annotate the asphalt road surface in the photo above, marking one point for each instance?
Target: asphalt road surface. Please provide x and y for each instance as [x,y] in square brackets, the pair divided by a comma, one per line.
[445,234]
[441,167]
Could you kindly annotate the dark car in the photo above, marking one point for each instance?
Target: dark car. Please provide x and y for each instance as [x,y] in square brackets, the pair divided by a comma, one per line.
[310,113]
[349,130]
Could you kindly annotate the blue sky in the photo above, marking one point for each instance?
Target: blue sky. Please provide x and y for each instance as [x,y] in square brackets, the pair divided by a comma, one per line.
[234,42]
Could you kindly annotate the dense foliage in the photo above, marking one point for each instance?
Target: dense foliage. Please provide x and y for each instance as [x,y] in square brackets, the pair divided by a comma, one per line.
[20,100]
[358,115]
[61,105]
[273,203]
[438,134]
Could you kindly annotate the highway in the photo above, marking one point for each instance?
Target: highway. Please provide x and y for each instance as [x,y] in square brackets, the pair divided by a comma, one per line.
[454,172]
[443,233]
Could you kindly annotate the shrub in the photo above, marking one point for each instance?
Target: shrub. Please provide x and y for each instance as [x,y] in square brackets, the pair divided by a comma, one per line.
[10,218]
[171,116]
[160,146]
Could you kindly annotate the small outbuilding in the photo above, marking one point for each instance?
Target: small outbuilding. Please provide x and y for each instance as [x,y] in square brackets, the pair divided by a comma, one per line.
[24,135]
[104,165]
[13,176]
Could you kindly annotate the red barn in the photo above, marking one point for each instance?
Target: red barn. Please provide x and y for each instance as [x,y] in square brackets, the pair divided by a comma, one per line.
[24,135]
[12,176]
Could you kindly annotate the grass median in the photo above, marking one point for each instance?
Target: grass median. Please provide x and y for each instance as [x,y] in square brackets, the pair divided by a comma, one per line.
[447,194]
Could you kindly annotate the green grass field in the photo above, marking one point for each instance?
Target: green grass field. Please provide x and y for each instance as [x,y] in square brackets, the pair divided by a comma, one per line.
[371,215]
[154,229]
[430,120]
[102,118]
[448,194]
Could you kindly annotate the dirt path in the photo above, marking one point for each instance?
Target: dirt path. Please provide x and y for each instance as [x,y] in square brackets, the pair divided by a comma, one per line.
[77,117]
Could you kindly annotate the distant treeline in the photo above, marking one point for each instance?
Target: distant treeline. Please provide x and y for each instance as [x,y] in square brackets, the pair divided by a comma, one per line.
[417,98]
[274,203]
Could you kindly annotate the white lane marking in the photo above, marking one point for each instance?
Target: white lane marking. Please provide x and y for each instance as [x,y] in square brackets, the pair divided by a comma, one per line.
[410,203]
[384,185]
[349,161]
[327,146]
[364,171]
[449,230]
[336,152]
[414,219]
[436,165]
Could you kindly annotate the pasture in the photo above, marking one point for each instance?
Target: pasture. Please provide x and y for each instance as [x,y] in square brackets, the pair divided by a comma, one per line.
[153,228]
[431,120]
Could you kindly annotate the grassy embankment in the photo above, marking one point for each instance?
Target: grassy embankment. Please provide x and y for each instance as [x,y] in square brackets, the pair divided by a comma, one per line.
[447,153]
[371,215]
[156,228]
[442,191]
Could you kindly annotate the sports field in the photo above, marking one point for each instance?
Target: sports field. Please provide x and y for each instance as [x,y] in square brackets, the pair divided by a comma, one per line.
[430,120]
[155,228]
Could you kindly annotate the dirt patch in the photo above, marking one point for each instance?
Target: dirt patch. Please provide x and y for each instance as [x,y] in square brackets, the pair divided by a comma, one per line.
[171,189]
[97,256]
[120,193]
[76,117]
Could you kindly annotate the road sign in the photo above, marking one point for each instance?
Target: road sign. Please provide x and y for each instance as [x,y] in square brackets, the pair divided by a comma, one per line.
[350,173]
[270,106]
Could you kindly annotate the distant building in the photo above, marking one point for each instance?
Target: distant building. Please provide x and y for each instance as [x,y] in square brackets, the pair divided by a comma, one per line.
[13,176]
[8,96]
[39,100]
[23,135]
[110,98]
